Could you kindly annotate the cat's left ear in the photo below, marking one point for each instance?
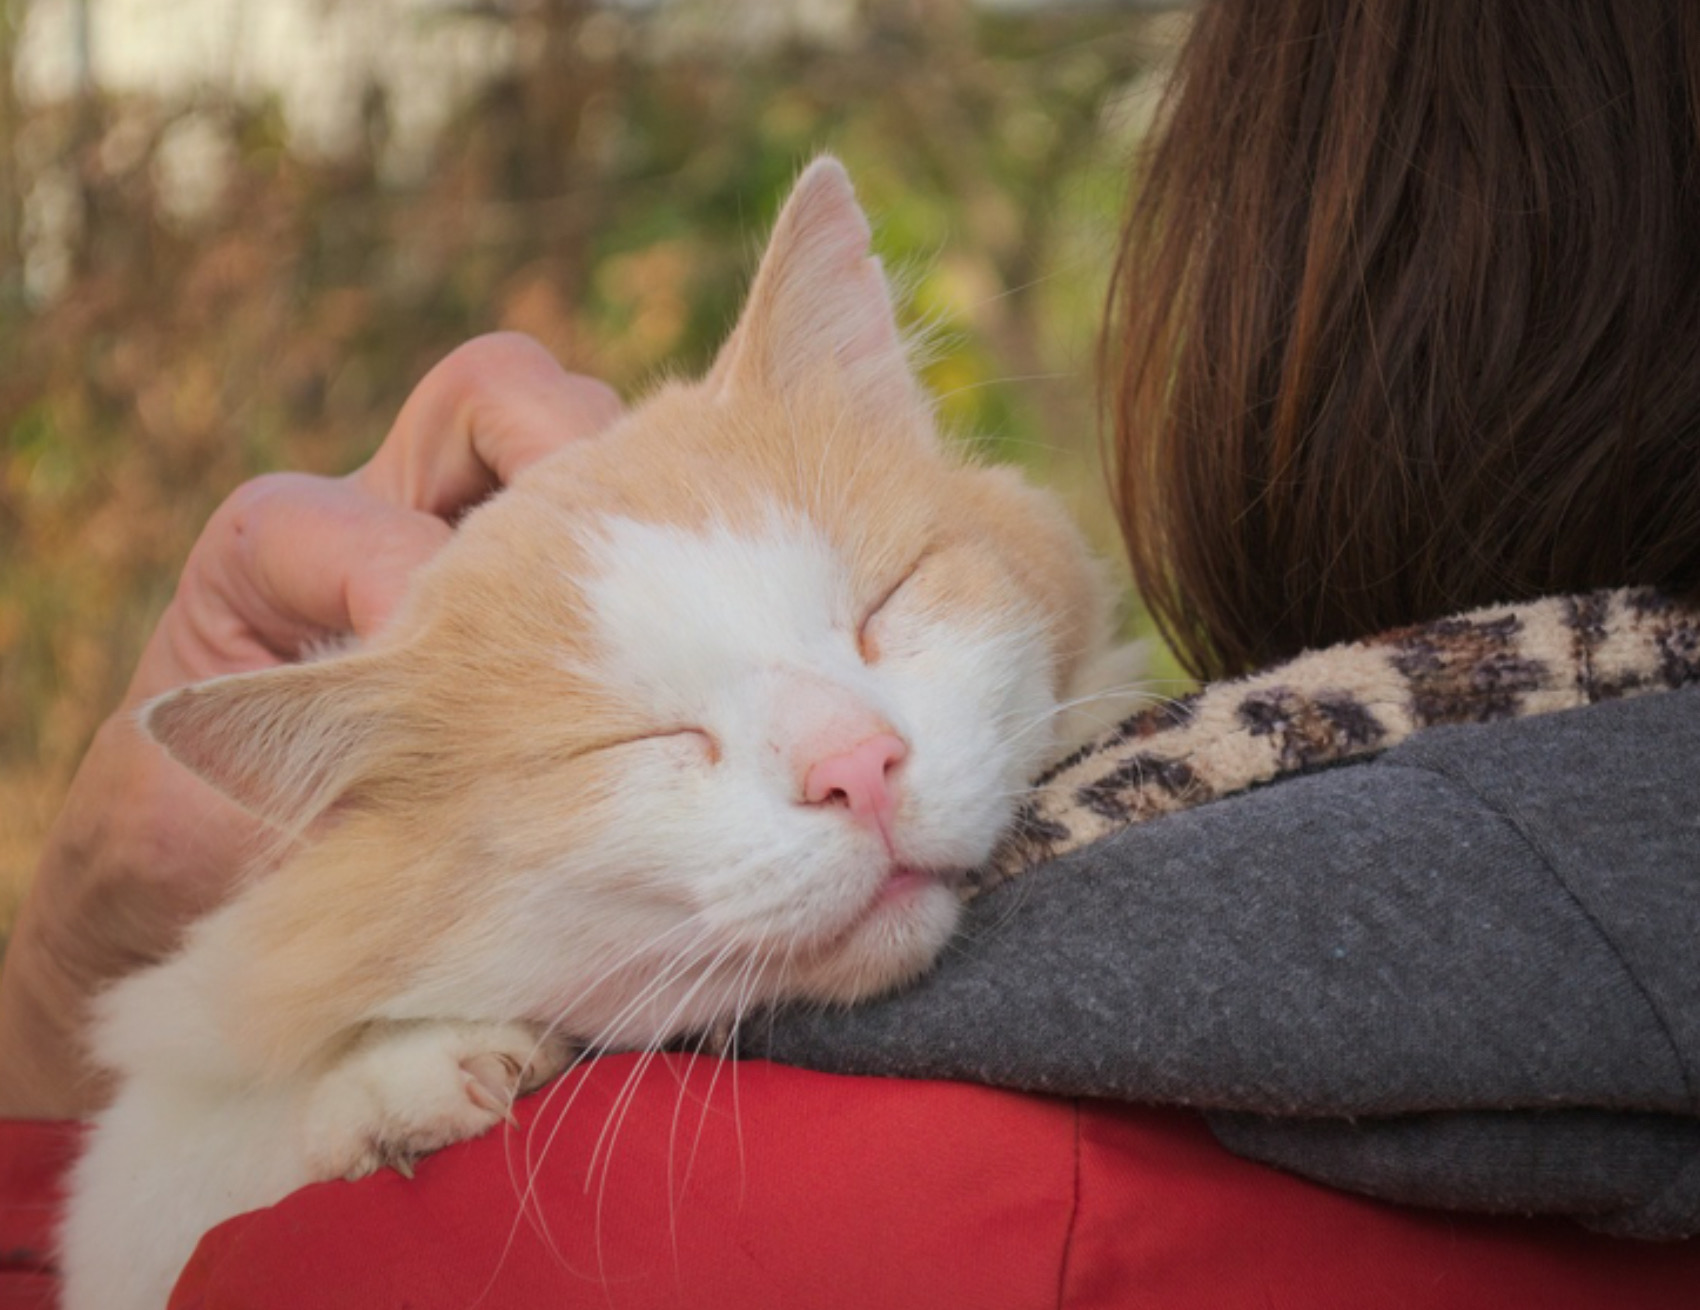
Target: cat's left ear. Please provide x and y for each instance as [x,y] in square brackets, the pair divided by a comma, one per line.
[820,298]
[283,743]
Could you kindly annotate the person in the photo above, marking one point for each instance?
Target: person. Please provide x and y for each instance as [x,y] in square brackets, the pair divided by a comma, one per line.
[1378,357]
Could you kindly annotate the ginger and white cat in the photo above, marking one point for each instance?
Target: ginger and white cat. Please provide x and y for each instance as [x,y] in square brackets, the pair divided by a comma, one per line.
[710,711]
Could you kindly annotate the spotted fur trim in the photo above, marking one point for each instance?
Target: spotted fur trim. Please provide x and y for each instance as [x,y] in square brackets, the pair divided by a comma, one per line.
[1354,700]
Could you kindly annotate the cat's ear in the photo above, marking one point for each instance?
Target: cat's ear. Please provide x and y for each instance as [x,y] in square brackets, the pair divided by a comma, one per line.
[283,743]
[820,296]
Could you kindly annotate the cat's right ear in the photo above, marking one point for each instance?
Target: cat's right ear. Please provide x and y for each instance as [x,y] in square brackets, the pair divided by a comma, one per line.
[283,743]
[819,300]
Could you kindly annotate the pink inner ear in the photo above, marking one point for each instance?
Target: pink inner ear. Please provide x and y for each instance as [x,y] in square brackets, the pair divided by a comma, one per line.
[873,335]
[274,741]
[819,295]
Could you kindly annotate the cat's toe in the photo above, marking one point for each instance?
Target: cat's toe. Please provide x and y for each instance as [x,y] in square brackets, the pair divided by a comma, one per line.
[407,1090]
[492,1082]
[494,1079]
[551,1054]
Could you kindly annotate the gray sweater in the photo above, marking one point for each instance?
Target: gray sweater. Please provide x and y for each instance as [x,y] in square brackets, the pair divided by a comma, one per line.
[1465,973]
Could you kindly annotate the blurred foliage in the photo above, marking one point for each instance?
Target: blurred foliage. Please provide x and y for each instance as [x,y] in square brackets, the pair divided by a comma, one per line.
[605,192]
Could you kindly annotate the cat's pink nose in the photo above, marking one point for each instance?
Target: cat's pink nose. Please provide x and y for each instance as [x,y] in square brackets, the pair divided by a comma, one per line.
[860,778]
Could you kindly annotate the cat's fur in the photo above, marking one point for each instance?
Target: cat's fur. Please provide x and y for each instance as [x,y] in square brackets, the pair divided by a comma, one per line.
[571,788]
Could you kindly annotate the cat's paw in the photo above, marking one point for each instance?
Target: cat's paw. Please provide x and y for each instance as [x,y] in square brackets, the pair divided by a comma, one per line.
[405,1090]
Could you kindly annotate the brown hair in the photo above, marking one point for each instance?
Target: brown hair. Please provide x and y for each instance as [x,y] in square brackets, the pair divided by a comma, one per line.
[1407,317]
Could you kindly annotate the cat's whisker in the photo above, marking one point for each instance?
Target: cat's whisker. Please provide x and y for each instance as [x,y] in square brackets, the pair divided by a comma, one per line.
[731,1051]
[1145,700]
[677,1186]
[624,1100]
[676,1194]
[1018,288]
[688,955]
[624,960]
[524,1190]
[616,1114]
[687,958]
[1021,793]
[703,1038]
[1139,688]
[771,1008]
[661,1032]
[987,445]
[983,383]
[1015,900]
[684,1081]
[529,1202]
[748,978]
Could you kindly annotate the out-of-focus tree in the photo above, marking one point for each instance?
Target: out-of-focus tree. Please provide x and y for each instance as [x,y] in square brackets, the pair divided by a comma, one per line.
[189,296]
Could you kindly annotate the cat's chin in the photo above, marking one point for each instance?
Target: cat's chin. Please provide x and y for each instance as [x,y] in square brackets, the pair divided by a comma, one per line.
[892,942]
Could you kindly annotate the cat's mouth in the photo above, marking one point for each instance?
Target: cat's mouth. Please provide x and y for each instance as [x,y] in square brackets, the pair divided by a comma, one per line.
[905,882]
[893,936]
[910,907]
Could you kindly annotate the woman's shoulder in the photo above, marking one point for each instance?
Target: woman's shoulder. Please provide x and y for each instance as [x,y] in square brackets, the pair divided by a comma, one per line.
[688,1183]
[1491,669]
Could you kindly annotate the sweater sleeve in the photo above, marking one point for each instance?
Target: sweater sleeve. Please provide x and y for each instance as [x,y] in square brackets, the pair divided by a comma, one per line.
[1633,1175]
[1497,920]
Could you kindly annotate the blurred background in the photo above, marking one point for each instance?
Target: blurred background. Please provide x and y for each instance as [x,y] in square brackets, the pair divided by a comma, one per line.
[234,233]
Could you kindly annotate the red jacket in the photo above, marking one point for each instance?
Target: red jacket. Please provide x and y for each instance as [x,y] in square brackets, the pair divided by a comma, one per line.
[762,1186]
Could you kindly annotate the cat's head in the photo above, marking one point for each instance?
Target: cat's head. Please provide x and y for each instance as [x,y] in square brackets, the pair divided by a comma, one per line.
[714,708]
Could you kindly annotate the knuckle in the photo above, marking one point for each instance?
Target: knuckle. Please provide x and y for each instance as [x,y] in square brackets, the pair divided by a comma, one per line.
[228,544]
[496,356]
[595,398]
[405,539]
[393,546]
[247,524]
[484,376]
[253,496]
[243,510]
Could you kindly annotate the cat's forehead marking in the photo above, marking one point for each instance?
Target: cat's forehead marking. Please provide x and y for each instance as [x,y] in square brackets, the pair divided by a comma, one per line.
[674,606]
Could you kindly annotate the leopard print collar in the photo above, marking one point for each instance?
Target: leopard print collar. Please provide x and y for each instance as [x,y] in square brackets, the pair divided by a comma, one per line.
[1354,700]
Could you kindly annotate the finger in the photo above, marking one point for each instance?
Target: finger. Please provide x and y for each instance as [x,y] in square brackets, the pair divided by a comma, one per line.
[490,408]
[289,559]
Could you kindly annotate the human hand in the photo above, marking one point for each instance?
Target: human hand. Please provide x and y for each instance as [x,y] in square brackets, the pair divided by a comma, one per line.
[142,847]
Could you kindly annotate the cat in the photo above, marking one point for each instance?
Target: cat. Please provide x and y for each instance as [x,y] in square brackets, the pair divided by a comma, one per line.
[713,710]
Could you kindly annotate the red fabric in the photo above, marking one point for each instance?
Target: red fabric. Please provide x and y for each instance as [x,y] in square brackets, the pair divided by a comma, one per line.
[808,1191]
[804,1190]
[1168,1219]
[33,1158]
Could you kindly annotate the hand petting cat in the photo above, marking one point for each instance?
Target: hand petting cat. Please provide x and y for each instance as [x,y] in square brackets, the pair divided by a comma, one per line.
[143,847]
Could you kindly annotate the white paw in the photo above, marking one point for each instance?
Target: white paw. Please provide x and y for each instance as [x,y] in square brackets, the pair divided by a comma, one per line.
[405,1090]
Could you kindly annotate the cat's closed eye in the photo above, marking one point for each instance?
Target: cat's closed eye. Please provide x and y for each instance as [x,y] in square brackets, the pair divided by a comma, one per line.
[692,744]
[867,635]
